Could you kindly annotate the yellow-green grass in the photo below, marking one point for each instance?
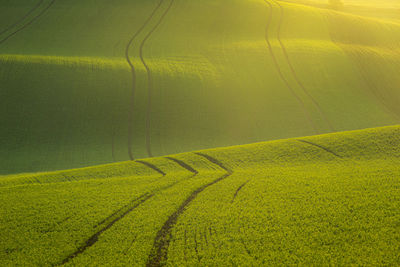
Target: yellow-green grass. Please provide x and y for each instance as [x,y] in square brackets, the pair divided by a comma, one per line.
[386,10]
[321,200]
[66,88]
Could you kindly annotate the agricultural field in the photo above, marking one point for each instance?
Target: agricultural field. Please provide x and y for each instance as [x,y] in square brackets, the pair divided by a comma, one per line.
[95,82]
[199,133]
[324,200]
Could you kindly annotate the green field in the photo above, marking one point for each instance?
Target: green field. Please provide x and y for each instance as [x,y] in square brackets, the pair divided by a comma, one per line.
[199,133]
[207,74]
[324,200]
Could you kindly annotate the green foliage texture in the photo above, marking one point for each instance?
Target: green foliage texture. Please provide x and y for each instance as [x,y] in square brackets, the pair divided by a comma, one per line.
[222,72]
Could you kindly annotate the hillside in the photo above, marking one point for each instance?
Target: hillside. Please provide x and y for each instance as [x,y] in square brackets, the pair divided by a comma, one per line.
[93,82]
[321,200]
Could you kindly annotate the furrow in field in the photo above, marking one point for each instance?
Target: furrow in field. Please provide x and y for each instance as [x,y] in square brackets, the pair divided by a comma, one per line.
[321,147]
[22,18]
[150,78]
[133,74]
[94,238]
[130,246]
[28,23]
[120,213]
[196,245]
[214,161]
[212,238]
[205,236]
[148,164]
[238,189]
[159,252]
[183,165]
[279,70]
[293,71]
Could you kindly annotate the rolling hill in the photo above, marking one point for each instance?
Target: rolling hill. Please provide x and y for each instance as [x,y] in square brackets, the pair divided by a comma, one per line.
[323,200]
[92,82]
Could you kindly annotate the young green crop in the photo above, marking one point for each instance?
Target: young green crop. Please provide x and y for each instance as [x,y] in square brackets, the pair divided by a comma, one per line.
[321,200]
[264,70]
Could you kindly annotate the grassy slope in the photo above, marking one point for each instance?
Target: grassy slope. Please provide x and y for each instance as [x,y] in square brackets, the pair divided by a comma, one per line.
[387,10]
[65,88]
[329,199]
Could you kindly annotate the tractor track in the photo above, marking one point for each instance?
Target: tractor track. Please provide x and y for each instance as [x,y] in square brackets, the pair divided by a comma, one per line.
[183,165]
[293,71]
[196,245]
[159,252]
[211,239]
[238,189]
[133,74]
[115,213]
[95,237]
[130,246]
[373,88]
[205,236]
[22,18]
[118,215]
[67,178]
[28,23]
[154,167]
[321,147]
[279,70]
[214,161]
[150,78]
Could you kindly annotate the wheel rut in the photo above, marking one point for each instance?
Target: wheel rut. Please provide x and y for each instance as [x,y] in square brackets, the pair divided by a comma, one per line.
[30,22]
[152,166]
[279,70]
[119,214]
[94,238]
[293,71]
[238,189]
[183,165]
[22,18]
[215,161]
[159,252]
[118,211]
[321,147]
[150,78]
[133,75]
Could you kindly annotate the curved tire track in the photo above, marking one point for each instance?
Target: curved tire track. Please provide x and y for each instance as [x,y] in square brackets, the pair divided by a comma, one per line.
[154,167]
[118,211]
[183,165]
[28,23]
[22,18]
[321,147]
[95,237]
[278,68]
[119,214]
[159,252]
[293,71]
[238,189]
[150,78]
[133,73]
